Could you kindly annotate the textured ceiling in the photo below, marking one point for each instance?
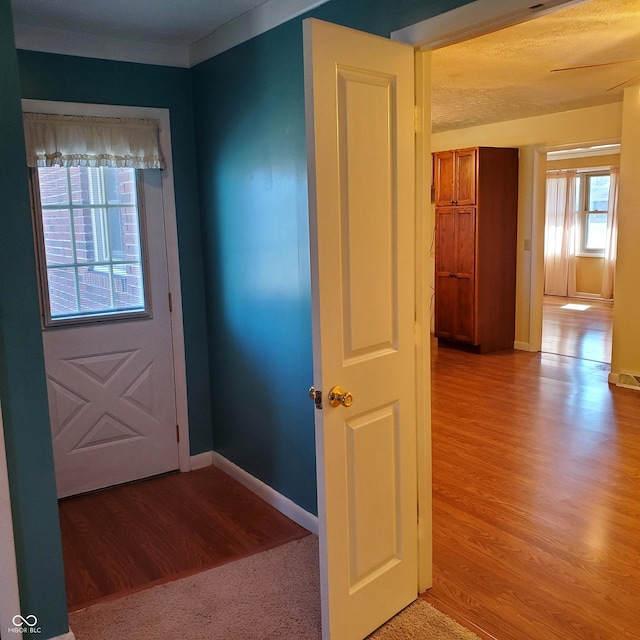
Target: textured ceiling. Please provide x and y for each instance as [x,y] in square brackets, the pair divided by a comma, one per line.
[507,74]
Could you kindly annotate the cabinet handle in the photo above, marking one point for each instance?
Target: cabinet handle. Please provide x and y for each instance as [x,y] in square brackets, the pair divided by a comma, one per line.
[452,275]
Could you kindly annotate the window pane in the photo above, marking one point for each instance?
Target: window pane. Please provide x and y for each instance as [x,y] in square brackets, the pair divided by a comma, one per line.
[124,234]
[88,227]
[57,236]
[62,292]
[598,193]
[578,193]
[87,186]
[596,231]
[54,186]
[127,286]
[94,285]
[120,186]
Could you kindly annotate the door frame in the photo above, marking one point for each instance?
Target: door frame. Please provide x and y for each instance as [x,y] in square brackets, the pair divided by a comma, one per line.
[423,279]
[538,221]
[171,239]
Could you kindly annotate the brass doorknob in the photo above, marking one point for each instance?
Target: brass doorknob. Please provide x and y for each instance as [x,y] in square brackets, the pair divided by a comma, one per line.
[339,397]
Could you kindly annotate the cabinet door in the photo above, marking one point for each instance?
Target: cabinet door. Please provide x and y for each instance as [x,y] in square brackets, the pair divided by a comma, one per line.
[465,243]
[445,269]
[464,193]
[443,170]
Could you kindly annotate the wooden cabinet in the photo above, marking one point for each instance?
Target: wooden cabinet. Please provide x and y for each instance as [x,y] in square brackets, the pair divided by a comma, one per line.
[455,177]
[476,197]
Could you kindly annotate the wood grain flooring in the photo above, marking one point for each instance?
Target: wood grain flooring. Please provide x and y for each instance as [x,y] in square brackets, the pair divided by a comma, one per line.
[133,536]
[579,334]
[536,497]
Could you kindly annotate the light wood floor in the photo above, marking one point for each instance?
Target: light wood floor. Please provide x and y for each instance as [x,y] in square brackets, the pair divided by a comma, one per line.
[536,497]
[134,536]
[579,334]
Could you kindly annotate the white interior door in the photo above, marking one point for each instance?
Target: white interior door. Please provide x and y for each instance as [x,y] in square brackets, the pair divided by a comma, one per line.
[111,384]
[360,138]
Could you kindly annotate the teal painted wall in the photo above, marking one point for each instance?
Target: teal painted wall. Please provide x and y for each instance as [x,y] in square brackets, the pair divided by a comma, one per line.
[22,380]
[381,17]
[74,79]
[253,191]
[251,159]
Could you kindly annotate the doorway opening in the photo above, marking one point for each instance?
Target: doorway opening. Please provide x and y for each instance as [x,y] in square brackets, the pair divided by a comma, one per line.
[580,238]
[577,327]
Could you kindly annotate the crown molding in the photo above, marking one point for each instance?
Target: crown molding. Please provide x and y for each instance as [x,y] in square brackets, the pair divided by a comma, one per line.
[263,18]
[102,47]
[266,16]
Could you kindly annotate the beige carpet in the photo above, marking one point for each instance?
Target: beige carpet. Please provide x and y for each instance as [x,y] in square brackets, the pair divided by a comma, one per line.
[421,621]
[268,596]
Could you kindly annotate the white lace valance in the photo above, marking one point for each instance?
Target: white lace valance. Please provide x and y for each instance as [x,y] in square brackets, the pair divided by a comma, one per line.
[73,141]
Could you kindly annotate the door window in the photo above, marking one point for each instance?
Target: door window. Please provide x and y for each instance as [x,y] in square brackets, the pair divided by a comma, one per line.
[90,236]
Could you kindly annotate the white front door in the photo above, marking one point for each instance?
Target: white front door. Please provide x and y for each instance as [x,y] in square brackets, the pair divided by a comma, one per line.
[360,137]
[110,383]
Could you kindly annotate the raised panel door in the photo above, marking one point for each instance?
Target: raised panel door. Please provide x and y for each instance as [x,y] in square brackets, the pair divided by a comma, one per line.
[445,269]
[443,168]
[465,243]
[465,177]
[464,311]
[359,99]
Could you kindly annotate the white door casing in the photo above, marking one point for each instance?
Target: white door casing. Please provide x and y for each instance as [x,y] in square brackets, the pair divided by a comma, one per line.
[360,139]
[111,384]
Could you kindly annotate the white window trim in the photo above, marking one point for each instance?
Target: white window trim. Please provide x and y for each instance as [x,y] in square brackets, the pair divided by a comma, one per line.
[171,230]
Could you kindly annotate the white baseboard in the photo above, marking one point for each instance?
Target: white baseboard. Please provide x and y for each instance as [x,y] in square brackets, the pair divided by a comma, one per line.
[201,460]
[522,346]
[65,636]
[267,493]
